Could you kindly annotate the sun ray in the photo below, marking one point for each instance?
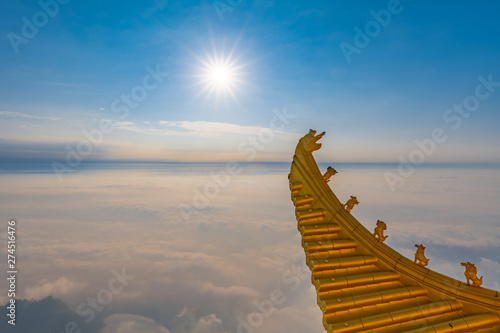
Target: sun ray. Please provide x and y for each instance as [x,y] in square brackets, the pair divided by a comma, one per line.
[221,75]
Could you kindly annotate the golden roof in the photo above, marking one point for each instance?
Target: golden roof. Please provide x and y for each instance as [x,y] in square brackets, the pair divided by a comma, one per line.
[362,284]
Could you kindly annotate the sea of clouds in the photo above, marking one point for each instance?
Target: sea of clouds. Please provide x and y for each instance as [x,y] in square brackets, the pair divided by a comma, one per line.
[234,266]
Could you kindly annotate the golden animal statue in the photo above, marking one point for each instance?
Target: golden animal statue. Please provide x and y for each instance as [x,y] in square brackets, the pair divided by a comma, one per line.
[379,231]
[349,205]
[310,141]
[329,173]
[471,274]
[420,256]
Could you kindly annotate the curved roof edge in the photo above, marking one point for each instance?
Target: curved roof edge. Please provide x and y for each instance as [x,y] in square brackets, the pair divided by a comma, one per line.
[306,180]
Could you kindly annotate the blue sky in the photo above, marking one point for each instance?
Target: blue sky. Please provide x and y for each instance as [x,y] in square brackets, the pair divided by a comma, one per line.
[287,54]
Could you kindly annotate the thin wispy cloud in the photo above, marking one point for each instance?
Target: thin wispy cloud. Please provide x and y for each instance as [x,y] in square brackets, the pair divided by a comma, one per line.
[23,115]
[147,129]
[215,127]
[204,129]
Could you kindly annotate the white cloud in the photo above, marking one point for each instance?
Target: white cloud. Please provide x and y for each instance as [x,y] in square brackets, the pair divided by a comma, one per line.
[490,269]
[150,130]
[230,255]
[209,324]
[445,234]
[183,312]
[219,291]
[23,115]
[61,287]
[204,129]
[121,124]
[128,323]
[216,127]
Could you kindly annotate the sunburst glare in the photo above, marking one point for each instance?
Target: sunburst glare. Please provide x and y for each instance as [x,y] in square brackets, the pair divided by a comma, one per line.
[221,76]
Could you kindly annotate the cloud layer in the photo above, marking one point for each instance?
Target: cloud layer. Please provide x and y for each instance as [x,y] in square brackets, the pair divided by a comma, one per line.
[216,271]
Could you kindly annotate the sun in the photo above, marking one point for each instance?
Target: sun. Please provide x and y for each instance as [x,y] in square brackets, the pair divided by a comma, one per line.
[220,76]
